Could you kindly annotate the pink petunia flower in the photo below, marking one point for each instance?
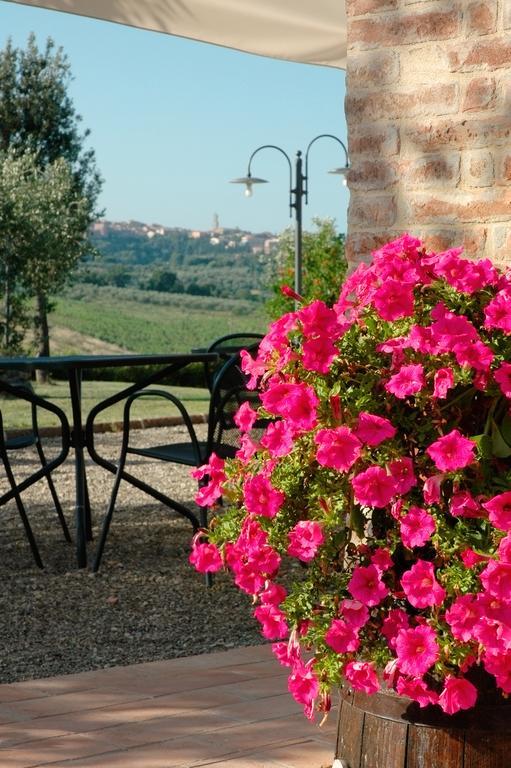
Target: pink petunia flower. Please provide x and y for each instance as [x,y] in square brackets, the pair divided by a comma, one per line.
[286,656]
[499,508]
[374,487]
[354,613]
[381,558]
[497,312]
[407,381]
[503,378]
[395,620]
[417,690]
[431,490]
[402,472]
[273,593]
[337,448]
[452,451]
[272,620]
[362,676]
[246,450]
[442,383]
[342,637]
[372,429]
[213,489]
[318,354]
[245,417]
[303,684]
[296,402]
[496,579]
[394,299]
[305,539]
[421,587]
[416,650]
[366,585]
[458,693]
[205,557]
[463,504]
[462,616]
[416,527]
[469,558]
[260,497]
[278,438]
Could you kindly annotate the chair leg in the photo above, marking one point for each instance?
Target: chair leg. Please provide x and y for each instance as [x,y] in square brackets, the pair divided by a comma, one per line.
[53,491]
[22,513]
[110,510]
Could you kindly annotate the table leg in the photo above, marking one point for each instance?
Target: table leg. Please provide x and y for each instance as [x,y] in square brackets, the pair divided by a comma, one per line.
[82,510]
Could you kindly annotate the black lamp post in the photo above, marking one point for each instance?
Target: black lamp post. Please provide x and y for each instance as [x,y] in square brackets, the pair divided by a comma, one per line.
[297,191]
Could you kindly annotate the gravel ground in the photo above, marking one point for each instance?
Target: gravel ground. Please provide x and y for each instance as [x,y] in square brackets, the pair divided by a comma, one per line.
[145,603]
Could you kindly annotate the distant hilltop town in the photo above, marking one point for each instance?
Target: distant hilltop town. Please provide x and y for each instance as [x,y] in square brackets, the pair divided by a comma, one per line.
[228,239]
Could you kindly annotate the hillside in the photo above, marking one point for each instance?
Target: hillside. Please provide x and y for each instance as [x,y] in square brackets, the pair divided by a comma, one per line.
[220,262]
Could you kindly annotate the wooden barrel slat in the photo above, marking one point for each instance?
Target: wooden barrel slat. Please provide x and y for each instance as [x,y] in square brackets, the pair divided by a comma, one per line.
[349,733]
[383,742]
[429,747]
[487,750]
[379,732]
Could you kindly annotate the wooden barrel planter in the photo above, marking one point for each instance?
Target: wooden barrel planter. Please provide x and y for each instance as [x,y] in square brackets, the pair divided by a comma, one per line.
[390,731]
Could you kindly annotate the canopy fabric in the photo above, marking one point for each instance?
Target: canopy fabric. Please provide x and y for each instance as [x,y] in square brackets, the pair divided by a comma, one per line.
[307,31]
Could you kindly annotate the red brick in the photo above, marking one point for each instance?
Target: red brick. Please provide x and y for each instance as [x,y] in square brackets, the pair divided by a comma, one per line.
[488,54]
[361,7]
[390,104]
[478,168]
[482,17]
[401,28]
[468,133]
[504,169]
[374,140]
[507,15]
[376,174]
[433,171]
[378,211]
[479,94]
[502,243]
[359,245]
[371,68]
[472,239]
[487,205]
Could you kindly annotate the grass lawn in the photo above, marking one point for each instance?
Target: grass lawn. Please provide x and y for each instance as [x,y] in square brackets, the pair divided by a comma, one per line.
[16,413]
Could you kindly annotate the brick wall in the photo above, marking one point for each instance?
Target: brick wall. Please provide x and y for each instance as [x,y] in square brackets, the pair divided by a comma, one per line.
[428,108]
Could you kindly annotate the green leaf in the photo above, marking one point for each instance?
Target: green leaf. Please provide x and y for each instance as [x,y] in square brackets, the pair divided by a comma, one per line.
[484,445]
[505,428]
[357,520]
[500,448]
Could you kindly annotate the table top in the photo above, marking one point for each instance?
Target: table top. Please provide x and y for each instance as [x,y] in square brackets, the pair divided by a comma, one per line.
[104,361]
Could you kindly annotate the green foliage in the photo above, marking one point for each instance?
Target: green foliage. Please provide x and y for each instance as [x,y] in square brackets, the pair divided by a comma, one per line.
[45,215]
[323,269]
[149,321]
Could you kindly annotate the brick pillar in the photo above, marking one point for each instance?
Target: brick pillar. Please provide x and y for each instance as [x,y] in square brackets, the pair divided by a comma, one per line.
[428,108]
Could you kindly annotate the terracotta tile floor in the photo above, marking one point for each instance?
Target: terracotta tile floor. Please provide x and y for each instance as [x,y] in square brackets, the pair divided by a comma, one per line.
[221,710]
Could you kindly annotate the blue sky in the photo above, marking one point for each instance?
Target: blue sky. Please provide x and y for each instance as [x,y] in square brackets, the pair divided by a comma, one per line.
[172,121]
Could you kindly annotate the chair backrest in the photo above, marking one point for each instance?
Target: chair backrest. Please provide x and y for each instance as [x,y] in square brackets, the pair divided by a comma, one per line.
[228,393]
[225,347]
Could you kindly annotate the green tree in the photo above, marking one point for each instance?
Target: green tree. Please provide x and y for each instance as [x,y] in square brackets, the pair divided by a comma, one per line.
[43,218]
[324,267]
[37,116]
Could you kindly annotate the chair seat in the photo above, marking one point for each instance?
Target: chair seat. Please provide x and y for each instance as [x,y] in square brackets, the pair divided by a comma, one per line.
[182,453]
[21,441]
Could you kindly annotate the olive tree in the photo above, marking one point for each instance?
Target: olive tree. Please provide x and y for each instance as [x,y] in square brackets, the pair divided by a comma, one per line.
[38,119]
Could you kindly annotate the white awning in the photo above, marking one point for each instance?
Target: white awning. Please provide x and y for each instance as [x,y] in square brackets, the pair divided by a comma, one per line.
[307,31]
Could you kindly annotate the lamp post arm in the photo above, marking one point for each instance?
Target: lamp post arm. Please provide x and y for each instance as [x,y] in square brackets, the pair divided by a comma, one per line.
[321,136]
[274,146]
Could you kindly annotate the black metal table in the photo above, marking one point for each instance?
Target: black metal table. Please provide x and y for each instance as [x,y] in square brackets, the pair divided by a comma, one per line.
[83,437]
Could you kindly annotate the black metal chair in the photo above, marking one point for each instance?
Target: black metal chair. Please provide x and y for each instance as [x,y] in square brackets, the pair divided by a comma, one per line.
[229,391]
[27,439]
[225,347]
